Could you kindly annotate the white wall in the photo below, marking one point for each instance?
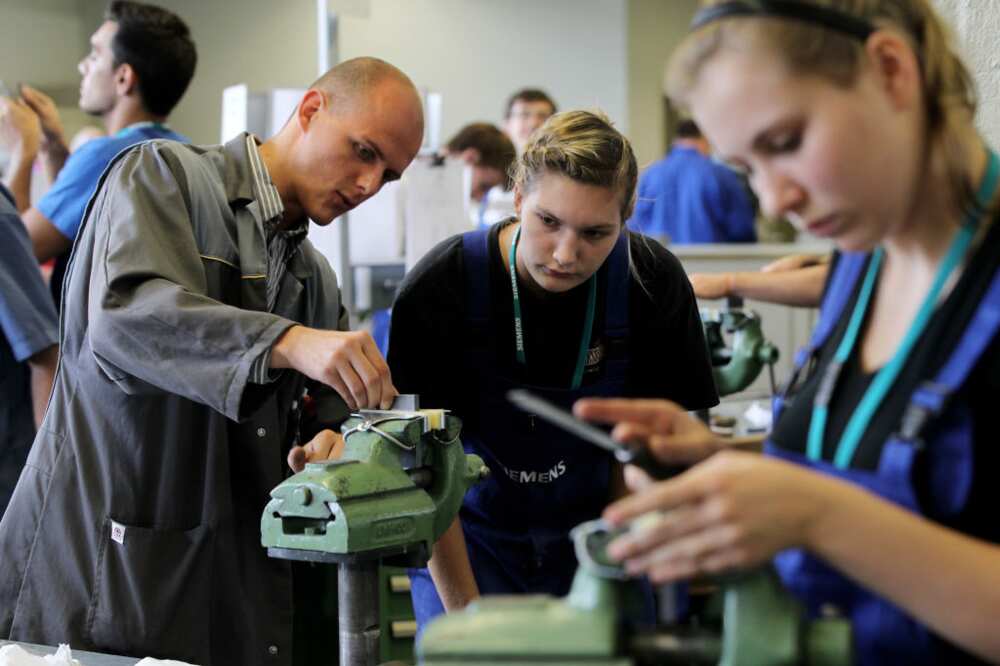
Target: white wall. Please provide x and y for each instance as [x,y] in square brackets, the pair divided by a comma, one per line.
[476,52]
[655,27]
[264,43]
[977,24]
[41,42]
[605,53]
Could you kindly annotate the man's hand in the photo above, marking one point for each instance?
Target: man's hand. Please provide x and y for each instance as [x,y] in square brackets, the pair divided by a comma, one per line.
[20,128]
[346,361]
[326,445]
[48,116]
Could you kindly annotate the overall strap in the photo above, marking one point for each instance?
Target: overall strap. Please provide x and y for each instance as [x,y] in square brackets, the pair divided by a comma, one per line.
[840,288]
[616,300]
[476,255]
[931,397]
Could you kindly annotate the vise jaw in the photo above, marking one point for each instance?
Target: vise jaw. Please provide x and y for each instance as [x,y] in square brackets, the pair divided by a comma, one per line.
[397,487]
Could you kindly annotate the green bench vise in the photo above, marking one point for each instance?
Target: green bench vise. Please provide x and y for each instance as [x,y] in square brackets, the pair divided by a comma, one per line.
[760,625]
[395,490]
[736,365]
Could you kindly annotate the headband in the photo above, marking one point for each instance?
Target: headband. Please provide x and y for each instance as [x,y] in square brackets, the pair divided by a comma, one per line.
[826,17]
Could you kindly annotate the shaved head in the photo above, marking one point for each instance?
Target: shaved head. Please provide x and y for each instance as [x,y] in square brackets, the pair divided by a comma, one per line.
[356,128]
[353,80]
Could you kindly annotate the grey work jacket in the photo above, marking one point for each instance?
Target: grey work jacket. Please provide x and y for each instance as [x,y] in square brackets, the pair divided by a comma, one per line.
[135,526]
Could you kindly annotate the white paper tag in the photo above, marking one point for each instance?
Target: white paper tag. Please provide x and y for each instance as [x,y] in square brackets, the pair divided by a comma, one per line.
[117,532]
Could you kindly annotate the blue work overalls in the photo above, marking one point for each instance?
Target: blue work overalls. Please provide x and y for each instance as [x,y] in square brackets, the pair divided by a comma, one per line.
[934,426]
[542,481]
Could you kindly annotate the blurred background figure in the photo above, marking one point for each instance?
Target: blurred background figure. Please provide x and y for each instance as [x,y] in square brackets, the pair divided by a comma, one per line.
[28,349]
[527,109]
[488,154]
[687,197]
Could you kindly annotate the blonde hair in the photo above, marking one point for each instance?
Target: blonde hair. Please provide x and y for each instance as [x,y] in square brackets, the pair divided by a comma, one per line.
[585,147]
[809,48]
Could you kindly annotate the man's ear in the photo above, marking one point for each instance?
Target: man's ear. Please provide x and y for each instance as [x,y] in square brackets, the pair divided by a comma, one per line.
[126,81]
[896,67]
[312,103]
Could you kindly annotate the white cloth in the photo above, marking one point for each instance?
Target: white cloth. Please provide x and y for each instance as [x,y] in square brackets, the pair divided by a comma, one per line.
[15,655]
[149,661]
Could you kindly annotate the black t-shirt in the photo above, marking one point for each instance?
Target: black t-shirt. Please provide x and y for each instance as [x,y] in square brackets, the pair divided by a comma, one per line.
[667,354]
[927,357]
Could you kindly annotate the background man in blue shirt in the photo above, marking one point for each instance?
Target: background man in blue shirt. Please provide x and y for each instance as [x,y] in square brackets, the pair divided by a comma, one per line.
[140,63]
[689,198]
[28,350]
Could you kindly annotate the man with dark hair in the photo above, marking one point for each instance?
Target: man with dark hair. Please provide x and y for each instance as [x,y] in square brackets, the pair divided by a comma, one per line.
[526,110]
[140,63]
[488,154]
[200,317]
[687,197]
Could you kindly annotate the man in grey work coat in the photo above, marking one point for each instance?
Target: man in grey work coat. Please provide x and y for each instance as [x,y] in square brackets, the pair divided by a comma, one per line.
[195,315]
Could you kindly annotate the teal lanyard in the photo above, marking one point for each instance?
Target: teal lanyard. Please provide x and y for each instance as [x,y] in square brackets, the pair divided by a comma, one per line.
[885,377]
[135,127]
[588,323]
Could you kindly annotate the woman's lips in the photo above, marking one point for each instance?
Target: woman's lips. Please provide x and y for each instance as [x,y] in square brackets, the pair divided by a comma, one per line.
[824,226]
[557,274]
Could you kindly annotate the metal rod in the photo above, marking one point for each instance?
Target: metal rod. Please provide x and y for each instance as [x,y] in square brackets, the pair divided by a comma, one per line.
[358,610]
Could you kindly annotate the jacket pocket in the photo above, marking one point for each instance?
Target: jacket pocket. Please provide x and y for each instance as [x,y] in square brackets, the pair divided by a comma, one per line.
[152,592]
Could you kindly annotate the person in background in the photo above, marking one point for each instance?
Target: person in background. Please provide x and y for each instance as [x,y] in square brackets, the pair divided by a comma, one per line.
[527,109]
[877,499]
[28,349]
[564,300]
[687,197]
[488,154]
[140,63]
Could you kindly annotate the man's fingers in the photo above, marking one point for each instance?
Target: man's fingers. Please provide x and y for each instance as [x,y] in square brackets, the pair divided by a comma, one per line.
[320,446]
[326,445]
[371,381]
[334,381]
[297,458]
[385,390]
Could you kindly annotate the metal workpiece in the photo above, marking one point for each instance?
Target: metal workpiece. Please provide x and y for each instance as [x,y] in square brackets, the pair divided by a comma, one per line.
[736,364]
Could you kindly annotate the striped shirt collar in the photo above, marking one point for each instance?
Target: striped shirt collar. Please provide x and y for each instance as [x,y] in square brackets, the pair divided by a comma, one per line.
[271,208]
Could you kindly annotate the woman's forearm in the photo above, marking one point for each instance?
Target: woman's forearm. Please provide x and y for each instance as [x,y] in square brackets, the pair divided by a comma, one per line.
[948,581]
[802,287]
[451,571]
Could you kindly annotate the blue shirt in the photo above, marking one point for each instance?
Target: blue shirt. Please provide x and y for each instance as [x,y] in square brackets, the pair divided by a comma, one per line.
[29,325]
[691,199]
[65,202]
